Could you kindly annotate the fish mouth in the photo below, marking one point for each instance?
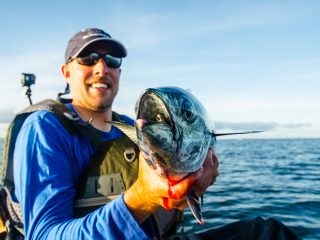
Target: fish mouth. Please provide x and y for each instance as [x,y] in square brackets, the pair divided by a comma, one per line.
[141,123]
[151,107]
[157,141]
[163,129]
[156,136]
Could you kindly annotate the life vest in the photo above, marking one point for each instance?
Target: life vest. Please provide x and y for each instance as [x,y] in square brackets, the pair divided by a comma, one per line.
[112,169]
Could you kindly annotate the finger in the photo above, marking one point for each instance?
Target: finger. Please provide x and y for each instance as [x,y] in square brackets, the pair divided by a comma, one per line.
[169,204]
[209,162]
[215,162]
[208,174]
[198,181]
[155,189]
[180,189]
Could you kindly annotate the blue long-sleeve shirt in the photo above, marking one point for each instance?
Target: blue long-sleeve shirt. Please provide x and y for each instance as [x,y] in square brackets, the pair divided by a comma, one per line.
[48,164]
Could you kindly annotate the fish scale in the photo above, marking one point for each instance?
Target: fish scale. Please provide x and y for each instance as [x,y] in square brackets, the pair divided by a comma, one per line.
[174,132]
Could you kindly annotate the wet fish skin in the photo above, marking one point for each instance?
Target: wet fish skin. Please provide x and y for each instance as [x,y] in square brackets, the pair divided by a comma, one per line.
[174,132]
[177,131]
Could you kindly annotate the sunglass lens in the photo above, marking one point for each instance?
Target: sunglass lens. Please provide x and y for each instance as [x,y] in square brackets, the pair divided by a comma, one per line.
[89,60]
[112,62]
[93,58]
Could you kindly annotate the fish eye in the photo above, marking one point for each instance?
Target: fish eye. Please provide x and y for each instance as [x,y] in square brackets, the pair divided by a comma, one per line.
[159,118]
[188,111]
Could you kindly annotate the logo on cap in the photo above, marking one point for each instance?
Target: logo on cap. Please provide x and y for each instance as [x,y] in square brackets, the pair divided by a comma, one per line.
[95,35]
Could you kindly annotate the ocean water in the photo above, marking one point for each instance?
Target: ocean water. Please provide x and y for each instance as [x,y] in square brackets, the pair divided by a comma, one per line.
[267,178]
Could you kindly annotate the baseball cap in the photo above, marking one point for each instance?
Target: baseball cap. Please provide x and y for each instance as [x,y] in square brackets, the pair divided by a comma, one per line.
[85,37]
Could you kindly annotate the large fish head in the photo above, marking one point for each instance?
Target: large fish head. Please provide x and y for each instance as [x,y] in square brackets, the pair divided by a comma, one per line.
[176,130]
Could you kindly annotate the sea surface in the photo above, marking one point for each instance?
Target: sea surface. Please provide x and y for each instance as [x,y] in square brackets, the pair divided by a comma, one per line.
[266,178]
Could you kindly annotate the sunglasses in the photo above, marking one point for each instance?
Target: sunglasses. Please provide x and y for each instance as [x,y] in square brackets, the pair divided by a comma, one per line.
[93,58]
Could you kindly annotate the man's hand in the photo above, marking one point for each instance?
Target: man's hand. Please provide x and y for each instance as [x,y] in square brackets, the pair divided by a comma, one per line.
[146,195]
[198,181]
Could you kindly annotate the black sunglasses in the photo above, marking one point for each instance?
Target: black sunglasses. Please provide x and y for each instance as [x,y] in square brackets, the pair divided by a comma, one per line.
[93,58]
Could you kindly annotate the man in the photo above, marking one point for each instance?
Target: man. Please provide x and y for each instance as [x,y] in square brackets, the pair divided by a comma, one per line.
[50,163]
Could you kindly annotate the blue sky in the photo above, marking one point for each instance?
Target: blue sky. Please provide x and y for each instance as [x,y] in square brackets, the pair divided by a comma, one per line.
[253,64]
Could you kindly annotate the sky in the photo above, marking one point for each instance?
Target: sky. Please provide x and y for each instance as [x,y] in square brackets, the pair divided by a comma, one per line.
[255,65]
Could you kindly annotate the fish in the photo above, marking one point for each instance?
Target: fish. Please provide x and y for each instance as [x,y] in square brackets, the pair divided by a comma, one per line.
[174,132]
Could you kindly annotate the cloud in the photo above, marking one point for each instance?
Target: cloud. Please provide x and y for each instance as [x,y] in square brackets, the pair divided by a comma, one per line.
[270,129]
[263,126]
[181,22]
[3,130]
[6,115]
[241,126]
[296,125]
[48,78]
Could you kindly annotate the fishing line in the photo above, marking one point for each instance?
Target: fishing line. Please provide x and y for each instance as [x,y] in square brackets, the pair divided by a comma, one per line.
[297,117]
[301,115]
[290,121]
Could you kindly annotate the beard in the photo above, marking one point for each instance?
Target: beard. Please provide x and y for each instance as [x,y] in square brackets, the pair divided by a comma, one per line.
[100,98]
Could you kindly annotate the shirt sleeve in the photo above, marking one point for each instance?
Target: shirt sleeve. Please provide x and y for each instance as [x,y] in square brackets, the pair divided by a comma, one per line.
[48,162]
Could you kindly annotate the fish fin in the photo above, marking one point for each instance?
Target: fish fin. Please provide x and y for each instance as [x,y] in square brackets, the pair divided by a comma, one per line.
[194,205]
[127,129]
[234,133]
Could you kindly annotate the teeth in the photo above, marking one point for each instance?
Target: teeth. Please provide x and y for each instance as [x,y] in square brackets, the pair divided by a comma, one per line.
[99,85]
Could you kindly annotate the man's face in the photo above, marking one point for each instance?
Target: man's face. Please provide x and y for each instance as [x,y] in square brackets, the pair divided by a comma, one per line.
[93,87]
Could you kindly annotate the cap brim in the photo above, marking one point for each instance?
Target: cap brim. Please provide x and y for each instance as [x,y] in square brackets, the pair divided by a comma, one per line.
[117,49]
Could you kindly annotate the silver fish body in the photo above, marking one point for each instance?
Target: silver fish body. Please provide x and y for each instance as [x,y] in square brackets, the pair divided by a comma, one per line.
[176,131]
